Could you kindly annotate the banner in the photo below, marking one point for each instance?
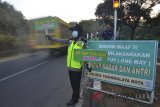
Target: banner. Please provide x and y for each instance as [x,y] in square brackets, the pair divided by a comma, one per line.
[129,63]
[90,55]
[45,23]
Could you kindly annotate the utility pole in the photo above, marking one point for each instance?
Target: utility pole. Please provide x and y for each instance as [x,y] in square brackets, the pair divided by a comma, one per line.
[116,5]
[115,24]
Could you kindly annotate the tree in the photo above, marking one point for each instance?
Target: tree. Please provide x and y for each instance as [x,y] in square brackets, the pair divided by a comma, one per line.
[11,20]
[14,30]
[91,26]
[133,13]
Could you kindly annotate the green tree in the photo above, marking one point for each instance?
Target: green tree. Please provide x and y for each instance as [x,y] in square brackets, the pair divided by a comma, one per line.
[14,30]
[11,20]
[86,26]
[133,13]
[91,26]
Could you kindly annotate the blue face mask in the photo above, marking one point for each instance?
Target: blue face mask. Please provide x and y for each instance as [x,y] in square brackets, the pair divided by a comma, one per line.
[74,34]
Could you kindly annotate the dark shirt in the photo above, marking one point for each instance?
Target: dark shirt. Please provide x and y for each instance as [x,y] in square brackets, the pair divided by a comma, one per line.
[107,34]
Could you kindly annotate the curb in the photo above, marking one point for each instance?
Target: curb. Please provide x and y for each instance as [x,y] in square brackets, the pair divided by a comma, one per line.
[21,55]
[79,104]
[17,56]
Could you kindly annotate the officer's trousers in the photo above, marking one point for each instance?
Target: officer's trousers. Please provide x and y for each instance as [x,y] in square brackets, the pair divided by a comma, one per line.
[75,79]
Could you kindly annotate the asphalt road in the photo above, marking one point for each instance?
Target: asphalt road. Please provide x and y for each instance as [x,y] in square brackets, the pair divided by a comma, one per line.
[36,80]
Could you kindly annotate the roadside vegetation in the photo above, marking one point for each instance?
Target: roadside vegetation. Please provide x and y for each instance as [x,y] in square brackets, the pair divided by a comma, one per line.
[14,30]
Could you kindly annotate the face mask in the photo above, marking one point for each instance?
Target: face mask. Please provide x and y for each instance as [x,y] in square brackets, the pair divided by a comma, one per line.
[74,34]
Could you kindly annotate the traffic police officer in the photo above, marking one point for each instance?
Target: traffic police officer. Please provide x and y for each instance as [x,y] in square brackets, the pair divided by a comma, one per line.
[74,67]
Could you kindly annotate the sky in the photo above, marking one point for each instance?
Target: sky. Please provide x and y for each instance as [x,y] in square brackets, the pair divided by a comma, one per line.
[67,10]
[156,9]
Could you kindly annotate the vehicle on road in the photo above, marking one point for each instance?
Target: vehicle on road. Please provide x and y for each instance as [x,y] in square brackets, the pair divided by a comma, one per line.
[53,26]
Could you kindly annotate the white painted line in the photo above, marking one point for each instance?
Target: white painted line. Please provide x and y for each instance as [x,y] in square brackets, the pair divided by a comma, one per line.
[23,71]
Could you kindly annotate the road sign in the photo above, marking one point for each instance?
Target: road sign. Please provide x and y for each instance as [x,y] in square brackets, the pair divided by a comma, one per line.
[129,63]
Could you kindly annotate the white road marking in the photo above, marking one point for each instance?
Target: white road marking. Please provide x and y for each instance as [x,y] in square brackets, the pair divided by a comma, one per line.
[22,71]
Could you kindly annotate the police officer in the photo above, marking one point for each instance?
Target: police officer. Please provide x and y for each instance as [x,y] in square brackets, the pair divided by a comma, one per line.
[74,67]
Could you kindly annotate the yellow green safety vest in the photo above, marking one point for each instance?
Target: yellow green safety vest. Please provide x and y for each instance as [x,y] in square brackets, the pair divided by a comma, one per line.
[71,63]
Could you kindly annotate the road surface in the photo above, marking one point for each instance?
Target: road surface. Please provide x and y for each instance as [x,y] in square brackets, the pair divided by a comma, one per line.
[36,80]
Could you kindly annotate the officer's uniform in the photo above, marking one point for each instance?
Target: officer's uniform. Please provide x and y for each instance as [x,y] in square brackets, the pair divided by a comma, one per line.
[75,68]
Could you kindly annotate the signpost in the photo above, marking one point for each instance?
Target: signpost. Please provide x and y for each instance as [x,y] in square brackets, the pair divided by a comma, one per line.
[126,63]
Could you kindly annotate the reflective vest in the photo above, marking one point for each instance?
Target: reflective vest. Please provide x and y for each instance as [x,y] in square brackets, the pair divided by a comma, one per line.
[70,57]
